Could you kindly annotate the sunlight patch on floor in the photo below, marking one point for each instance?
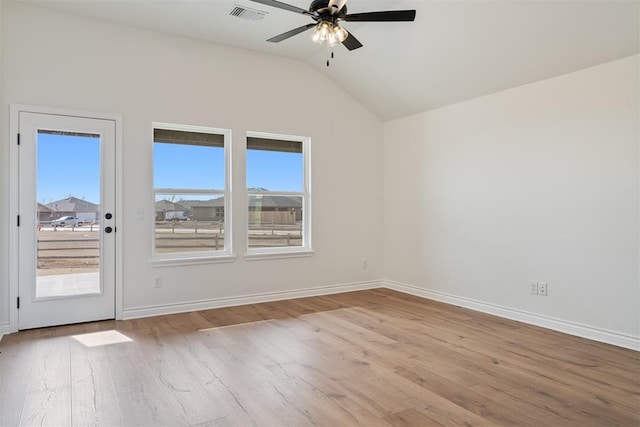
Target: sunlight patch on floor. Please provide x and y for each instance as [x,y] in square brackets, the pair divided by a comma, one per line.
[96,339]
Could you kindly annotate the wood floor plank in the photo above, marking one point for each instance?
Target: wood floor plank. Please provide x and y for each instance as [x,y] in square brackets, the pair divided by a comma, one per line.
[139,393]
[48,398]
[374,358]
[383,392]
[411,417]
[17,356]
[94,397]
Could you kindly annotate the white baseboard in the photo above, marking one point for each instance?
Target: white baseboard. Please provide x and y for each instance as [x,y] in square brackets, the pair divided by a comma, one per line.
[4,329]
[158,310]
[584,331]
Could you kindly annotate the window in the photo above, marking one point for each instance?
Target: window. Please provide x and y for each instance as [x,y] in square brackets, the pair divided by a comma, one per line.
[191,192]
[278,190]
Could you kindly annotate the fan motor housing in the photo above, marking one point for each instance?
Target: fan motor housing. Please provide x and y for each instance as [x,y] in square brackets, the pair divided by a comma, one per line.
[322,7]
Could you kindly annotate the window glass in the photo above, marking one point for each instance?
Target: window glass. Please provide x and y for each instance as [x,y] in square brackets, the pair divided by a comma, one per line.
[275,221]
[184,166]
[190,191]
[274,164]
[278,194]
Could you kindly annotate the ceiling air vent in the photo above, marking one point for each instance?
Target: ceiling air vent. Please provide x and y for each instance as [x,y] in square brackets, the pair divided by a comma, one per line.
[247,13]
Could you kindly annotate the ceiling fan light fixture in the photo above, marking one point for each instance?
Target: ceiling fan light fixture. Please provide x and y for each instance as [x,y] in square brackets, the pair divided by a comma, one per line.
[321,32]
[340,33]
[329,32]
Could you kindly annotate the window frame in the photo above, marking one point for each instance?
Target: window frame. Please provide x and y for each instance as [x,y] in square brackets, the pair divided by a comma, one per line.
[284,251]
[199,257]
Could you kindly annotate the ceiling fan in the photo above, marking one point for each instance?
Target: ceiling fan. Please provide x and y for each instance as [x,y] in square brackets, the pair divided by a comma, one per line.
[328,14]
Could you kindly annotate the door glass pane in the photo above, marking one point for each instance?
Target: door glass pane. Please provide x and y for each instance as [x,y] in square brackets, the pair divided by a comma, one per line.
[68,214]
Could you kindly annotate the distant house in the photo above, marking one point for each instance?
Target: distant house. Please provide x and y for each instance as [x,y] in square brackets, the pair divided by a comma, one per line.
[263,209]
[44,213]
[72,206]
[167,211]
[206,210]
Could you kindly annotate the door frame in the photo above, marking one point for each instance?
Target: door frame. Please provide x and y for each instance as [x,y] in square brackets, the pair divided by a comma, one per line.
[14,127]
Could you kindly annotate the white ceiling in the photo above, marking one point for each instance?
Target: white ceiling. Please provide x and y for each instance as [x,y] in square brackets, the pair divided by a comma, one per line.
[455,50]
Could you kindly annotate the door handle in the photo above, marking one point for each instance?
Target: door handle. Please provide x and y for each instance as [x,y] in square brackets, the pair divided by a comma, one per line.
[108,230]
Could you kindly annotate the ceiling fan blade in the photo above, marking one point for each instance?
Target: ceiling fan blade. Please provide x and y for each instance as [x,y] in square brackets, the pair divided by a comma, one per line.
[386,16]
[335,6]
[351,42]
[284,6]
[291,33]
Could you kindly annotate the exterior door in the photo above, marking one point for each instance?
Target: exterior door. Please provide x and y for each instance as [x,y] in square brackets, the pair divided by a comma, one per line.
[67,224]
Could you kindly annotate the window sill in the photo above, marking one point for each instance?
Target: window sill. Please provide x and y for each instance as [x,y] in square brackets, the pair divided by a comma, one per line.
[257,256]
[179,262]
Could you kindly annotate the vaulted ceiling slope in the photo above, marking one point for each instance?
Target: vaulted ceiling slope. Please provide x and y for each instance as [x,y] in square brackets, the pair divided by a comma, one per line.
[454,51]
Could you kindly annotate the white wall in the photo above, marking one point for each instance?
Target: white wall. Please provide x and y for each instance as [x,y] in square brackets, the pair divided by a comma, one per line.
[4,191]
[535,183]
[60,60]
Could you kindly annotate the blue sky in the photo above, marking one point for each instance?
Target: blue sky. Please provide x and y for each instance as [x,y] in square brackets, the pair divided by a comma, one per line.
[180,166]
[274,170]
[70,166]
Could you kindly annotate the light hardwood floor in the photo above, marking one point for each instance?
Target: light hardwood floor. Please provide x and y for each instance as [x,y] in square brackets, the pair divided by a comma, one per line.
[372,358]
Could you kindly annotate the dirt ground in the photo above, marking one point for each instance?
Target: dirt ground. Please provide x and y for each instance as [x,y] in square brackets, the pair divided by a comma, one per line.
[67,251]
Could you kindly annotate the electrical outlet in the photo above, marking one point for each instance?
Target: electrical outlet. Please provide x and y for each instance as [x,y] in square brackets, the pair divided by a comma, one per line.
[365,263]
[533,288]
[157,282]
[542,289]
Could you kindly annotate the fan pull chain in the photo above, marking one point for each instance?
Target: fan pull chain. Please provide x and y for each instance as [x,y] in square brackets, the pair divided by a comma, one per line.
[329,55]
